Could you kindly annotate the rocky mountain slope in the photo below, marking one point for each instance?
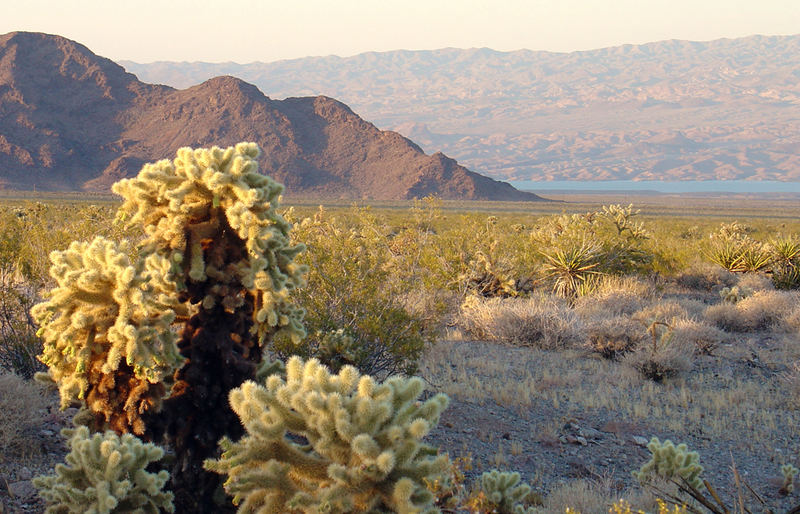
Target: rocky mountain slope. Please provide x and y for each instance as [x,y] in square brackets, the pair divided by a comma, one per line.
[72,120]
[674,110]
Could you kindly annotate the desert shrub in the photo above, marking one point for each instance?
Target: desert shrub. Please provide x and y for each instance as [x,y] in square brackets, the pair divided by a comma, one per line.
[577,247]
[733,249]
[18,342]
[539,321]
[765,310]
[21,403]
[755,282]
[705,277]
[698,335]
[614,337]
[356,284]
[615,296]
[579,496]
[665,311]
[727,317]
[661,357]
[571,268]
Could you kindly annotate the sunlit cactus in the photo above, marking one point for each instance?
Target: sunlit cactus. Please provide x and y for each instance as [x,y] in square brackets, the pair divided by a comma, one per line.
[318,442]
[105,474]
[506,492]
[106,332]
[187,318]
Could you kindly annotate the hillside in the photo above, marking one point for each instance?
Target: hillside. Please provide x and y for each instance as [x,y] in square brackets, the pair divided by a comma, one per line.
[71,120]
[671,110]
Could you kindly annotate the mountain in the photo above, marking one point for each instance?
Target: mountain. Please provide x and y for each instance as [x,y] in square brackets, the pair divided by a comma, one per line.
[670,110]
[70,120]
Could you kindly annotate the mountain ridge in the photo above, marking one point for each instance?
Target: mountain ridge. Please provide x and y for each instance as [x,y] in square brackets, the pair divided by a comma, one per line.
[587,115]
[72,120]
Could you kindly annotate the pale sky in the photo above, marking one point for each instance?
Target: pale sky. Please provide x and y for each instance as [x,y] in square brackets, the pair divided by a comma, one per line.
[268,30]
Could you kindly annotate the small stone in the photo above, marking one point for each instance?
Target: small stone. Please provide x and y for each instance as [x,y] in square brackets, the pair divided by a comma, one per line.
[591,433]
[639,440]
[46,433]
[506,436]
[581,440]
[25,474]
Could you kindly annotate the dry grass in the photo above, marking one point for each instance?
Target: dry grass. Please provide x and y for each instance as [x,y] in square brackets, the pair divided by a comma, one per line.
[701,337]
[615,296]
[763,311]
[540,322]
[665,359]
[666,311]
[615,336]
[704,276]
[580,496]
[22,405]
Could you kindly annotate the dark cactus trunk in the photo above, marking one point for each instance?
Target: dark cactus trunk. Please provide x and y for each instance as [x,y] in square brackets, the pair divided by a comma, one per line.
[221,354]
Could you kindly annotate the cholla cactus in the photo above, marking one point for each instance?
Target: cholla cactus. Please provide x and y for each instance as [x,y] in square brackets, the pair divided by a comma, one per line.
[105,473]
[670,462]
[215,216]
[734,294]
[363,451]
[106,332]
[504,490]
[789,472]
[209,288]
[336,348]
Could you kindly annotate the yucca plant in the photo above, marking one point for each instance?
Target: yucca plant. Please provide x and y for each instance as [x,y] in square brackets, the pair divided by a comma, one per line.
[571,267]
[786,262]
[727,253]
[755,256]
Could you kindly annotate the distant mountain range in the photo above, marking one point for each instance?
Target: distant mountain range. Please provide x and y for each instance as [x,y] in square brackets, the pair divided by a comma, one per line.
[71,120]
[671,110]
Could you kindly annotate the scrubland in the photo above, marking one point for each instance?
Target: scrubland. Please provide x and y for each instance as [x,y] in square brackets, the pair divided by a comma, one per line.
[566,335]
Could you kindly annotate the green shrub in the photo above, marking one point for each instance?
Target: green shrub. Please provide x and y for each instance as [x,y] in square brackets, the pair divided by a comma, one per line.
[355,284]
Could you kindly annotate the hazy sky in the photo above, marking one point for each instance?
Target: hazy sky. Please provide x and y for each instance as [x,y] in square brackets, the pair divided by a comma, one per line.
[268,30]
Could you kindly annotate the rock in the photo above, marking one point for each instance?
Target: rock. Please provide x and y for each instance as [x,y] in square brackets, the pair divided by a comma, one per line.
[640,441]
[46,433]
[581,440]
[22,489]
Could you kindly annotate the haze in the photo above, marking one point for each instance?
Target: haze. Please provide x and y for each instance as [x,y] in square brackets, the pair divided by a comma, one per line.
[251,30]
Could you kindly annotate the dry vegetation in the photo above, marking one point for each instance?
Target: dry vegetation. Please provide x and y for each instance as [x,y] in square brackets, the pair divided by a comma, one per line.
[560,366]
